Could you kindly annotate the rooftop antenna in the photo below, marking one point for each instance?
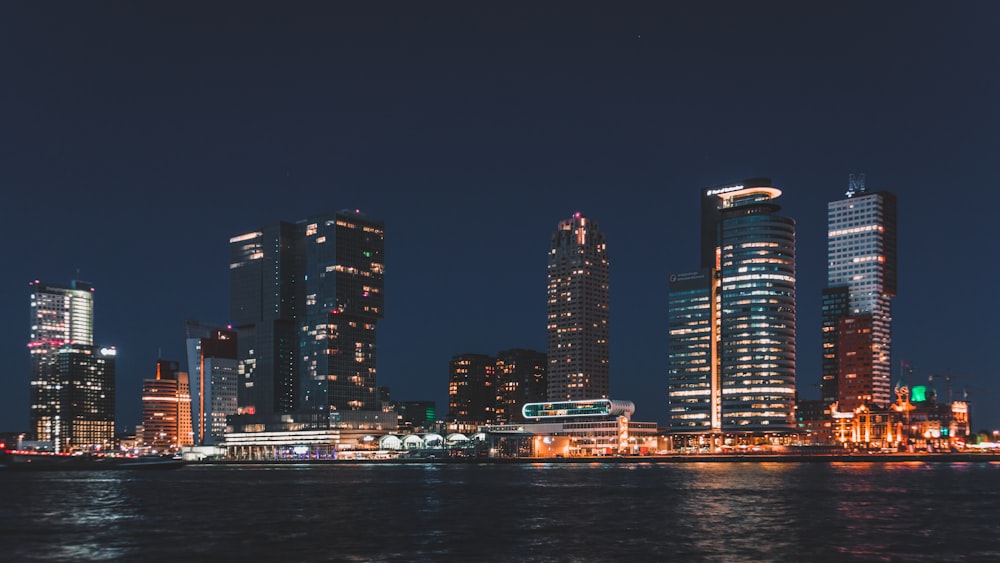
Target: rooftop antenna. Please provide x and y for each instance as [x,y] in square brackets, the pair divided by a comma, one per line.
[855,184]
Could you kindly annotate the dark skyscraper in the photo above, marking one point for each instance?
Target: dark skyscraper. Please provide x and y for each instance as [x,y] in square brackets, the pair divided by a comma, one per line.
[732,330]
[836,305]
[72,381]
[267,298]
[521,377]
[305,299]
[472,388]
[861,256]
[578,301]
[344,301]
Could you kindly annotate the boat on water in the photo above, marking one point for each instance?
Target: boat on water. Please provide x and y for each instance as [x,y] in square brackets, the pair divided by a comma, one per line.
[13,460]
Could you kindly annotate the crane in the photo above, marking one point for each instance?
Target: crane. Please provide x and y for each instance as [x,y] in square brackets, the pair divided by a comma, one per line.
[947,377]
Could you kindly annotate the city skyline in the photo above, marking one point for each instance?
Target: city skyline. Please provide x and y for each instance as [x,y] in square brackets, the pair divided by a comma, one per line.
[163,151]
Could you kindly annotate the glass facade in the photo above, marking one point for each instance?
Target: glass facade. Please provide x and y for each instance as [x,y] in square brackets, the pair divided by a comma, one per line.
[757,308]
[306,297]
[213,365]
[344,301]
[570,409]
[836,305]
[72,381]
[693,387]
[578,301]
[267,298]
[732,324]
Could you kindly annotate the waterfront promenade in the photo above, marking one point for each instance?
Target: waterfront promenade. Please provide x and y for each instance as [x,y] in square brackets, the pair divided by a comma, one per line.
[687,458]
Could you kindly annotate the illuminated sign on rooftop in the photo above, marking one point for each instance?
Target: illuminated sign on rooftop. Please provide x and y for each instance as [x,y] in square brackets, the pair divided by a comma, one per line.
[724,189]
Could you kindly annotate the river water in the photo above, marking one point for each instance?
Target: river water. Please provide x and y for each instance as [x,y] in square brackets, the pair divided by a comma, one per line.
[723,512]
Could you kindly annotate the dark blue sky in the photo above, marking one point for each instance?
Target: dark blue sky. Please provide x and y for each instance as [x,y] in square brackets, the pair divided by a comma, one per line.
[136,139]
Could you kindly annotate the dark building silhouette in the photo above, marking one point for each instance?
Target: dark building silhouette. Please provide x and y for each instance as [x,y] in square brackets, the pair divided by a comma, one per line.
[836,305]
[521,377]
[267,302]
[305,300]
[416,414]
[472,388]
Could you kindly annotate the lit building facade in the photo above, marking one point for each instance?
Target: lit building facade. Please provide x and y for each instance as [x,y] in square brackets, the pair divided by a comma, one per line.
[578,309]
[694,393]
[521,377]
[836,306]
[344,302]
[472,388]
[166,409]
[757,309]
[732,352]
[862,257]
[305,301]
[86,419]
[72,381]
[213,365]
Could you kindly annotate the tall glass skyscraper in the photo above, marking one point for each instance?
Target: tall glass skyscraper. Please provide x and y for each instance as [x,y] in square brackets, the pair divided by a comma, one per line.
[72,381]
[694,390]
[732,324]
[345,260]
[267,302]
[578,298]
[757,308]
[305,299]
[861,255]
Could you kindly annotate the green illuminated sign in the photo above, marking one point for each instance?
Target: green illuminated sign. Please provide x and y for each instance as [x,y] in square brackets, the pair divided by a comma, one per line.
[919,394]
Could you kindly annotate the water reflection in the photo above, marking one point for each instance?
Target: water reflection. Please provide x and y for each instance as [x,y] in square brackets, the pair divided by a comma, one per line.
[544,512]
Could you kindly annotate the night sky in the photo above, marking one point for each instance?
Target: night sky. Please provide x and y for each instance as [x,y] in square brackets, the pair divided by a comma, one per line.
[136,138]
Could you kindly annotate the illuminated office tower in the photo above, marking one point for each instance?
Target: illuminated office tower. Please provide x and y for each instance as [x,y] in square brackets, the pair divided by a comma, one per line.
[694,387]
[72,381]
[732,330]
[213,369]
[267,300]
[757,309]
[521,377]
[578,312]
[472,388]
[166,409]
[344,301]
[861,256]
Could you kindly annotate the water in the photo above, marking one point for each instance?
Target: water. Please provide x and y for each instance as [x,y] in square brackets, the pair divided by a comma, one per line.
[538,512]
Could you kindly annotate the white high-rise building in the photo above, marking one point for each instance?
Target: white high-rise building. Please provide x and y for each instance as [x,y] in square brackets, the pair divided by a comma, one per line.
[861,252]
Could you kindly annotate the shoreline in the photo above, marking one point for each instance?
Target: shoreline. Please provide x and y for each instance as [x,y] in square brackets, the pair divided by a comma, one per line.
[697,458]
